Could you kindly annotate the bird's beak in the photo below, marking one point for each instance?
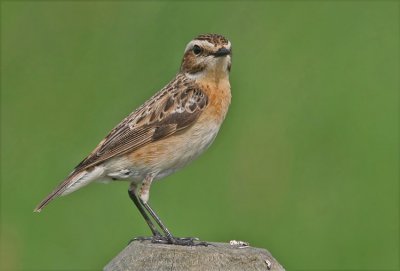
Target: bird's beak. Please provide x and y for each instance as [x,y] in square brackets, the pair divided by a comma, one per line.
[222,52]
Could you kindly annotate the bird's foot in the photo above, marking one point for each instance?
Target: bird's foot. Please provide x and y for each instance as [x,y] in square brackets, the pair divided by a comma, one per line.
[187,241]
[179,241]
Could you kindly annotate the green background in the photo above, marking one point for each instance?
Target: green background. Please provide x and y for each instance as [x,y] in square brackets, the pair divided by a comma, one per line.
[307,161]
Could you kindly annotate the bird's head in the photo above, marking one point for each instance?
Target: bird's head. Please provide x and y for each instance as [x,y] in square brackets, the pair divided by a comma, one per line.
[207,55]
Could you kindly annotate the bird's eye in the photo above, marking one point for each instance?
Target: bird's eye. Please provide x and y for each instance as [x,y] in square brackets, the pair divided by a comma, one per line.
[197,50]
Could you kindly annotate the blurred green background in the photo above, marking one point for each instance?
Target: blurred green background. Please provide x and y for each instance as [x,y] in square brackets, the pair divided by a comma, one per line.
[307,161]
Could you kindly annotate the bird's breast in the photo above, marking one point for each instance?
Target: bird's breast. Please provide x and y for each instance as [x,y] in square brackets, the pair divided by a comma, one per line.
[163,157]
[219,97]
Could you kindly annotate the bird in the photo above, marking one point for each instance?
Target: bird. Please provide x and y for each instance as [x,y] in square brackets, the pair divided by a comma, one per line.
[164,134]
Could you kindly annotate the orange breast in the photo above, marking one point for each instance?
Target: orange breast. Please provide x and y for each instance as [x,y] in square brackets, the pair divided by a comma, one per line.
[219,98]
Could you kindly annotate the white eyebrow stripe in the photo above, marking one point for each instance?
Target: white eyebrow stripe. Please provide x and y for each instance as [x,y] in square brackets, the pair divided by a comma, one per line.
[201,43]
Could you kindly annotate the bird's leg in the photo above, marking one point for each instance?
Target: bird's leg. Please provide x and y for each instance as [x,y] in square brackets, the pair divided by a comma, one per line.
[144,197]
[186,241]
[157,219]
[134,198]
[169,238]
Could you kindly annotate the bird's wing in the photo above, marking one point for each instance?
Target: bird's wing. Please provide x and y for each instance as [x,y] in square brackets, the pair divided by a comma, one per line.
[174,108]
[171,110]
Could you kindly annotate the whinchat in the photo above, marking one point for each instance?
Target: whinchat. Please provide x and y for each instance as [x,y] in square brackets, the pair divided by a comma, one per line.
[163,135]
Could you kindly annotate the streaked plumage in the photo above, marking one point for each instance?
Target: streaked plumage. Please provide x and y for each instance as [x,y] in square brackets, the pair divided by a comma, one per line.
[169,130]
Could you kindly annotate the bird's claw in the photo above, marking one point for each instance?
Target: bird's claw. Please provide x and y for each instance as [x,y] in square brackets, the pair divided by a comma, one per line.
[179,241]
[186,241]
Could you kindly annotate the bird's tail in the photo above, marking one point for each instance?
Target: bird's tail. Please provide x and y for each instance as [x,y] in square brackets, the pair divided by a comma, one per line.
[74,181]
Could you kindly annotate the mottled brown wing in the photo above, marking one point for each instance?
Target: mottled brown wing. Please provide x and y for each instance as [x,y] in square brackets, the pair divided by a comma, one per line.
[174,111]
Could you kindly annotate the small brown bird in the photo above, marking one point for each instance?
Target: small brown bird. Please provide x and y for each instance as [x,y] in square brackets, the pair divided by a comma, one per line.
[163,135]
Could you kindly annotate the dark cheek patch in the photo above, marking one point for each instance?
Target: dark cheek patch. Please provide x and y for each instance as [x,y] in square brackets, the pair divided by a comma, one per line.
[197,68]
[189,64]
